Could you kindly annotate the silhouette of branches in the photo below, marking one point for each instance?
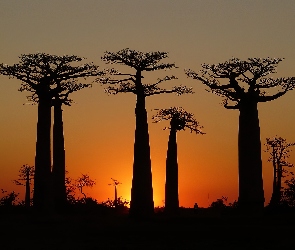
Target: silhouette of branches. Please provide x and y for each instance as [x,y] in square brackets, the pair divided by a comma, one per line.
[243,77]
[180,118]
[57,73]
[84,181]
[140,61]
[26,173]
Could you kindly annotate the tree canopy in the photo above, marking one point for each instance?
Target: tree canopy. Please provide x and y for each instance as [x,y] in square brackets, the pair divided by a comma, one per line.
[244,77]
[180,118]
[140,61]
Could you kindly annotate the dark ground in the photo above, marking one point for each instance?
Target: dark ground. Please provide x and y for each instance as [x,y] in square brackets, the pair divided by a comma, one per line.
[205,230]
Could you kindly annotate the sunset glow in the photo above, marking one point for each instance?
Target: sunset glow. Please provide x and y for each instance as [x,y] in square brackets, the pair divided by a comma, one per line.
[99,128]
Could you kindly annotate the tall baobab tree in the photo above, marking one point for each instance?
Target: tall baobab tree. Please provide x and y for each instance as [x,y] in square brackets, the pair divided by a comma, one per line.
[26,175]
[279,150]
[244,85]
[115,183]
[61,96]
[40,73]
[142,204]
[179,120]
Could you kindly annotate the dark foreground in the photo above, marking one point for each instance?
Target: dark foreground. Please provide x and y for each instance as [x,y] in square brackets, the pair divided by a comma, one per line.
[188,231]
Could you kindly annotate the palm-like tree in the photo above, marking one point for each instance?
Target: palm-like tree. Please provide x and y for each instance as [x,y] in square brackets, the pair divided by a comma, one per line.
[41,75]
[243,83]
[142,204]
[179,120]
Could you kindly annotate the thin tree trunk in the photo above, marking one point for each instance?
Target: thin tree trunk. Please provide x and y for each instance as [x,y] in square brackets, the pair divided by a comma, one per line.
[251,193]
[171,186]
[279,184]
[141,204]
[28,190]
[274,183]
[42,176]
[116,198]
[58,170]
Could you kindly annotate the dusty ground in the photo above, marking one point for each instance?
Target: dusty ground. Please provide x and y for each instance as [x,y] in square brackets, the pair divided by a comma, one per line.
[82,231]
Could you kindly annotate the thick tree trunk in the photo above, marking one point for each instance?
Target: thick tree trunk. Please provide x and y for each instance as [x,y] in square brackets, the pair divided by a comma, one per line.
[251,194]
[59,169]
[28,190]
[42,176]
[171,186]
[142,204]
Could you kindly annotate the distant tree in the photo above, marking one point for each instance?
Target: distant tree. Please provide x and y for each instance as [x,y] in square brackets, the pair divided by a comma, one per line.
[26,175]
[142,204]
[84,181]
[120,203]
[41,74]
[279,150]
[244,85]
[115,183]
[70,189]
[288,196]
[219,203]
[9,199]
[179,120]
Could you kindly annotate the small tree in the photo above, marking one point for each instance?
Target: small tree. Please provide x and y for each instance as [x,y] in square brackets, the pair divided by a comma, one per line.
[84,181]
[115,183]
[142,204]
[279,150]
[243,83]
[9,199]
[289,192]
[26,175]
[70,189]
[179,120]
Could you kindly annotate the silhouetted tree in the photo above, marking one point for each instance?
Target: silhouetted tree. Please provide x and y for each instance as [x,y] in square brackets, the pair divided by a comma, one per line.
[61,96]
[219,203]
[115,183]
[84,181]
[244,83]
[70,189]
[26,175]
[9,199]
[289,192]
[142,204]
[179,120]
[40,74]
[279,150]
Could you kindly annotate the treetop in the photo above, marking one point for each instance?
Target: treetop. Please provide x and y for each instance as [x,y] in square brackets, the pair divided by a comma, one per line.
[142,61]
[235,79]
[179,119]
[35,68]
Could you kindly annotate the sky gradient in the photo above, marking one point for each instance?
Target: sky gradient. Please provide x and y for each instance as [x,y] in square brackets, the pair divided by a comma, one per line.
[99,129]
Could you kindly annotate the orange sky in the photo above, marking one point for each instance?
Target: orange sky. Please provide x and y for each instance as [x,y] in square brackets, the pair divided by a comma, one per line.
[99,129]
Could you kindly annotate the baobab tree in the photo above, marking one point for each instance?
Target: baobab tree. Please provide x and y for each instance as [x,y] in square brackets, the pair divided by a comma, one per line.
[179,120]
[142,204]
[40,74]
[244,85]
[279,150]
[26,175]
[61,96]
[115,183]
